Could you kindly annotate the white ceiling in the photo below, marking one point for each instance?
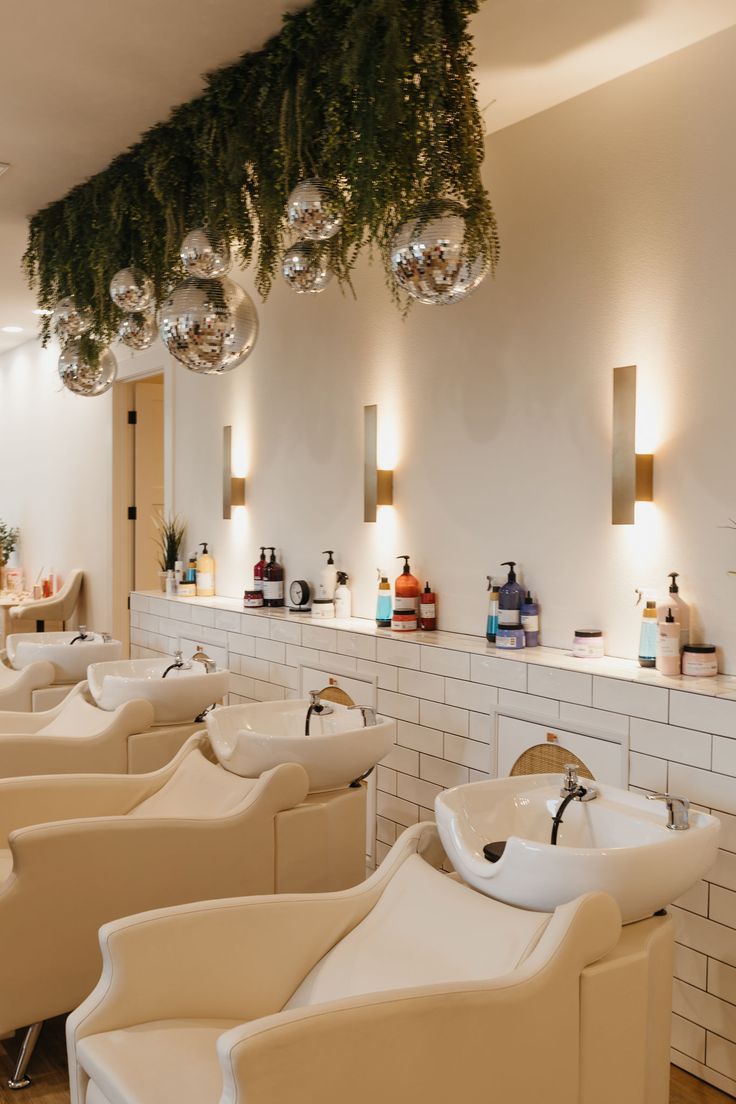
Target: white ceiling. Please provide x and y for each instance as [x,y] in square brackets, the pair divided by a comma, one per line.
[81,79]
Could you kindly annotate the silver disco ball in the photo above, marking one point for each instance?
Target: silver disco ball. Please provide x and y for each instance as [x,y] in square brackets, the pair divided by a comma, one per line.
[69,321]
[131,290]
[314,210]
[138,331]
[210,326]
[201,258]
[305,269]
[429,257]
[82,376]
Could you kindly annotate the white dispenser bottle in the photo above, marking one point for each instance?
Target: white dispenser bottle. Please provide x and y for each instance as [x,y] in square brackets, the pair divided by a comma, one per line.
[668,645]
[343,597]
[680,609]
[327,578]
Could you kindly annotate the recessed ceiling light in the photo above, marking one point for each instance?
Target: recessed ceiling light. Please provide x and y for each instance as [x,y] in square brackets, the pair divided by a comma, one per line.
[11,329]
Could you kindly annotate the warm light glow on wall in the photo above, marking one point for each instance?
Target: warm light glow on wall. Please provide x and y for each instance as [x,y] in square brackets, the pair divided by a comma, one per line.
[378,482]
[233,485]
[632,472]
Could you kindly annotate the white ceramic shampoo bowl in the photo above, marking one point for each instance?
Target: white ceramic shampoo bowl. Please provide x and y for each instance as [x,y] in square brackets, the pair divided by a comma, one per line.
[618,843]
[70,660]
[250,739]
[177,699]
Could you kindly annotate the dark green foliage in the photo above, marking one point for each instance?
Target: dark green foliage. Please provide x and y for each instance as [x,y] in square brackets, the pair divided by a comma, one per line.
[376,97]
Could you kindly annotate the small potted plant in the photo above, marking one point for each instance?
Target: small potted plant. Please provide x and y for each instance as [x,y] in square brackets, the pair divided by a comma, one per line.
[170,537]
[8,542]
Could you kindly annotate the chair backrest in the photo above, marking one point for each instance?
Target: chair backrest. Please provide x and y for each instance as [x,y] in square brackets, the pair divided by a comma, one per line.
[197,790]
[425,929]
[59,607]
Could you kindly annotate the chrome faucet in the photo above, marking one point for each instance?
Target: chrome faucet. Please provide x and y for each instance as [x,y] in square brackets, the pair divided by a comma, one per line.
[81,635]
[176,665]
[316,706]
[370,716]
[573,788]
[678,816]
[106,637]
[200,656]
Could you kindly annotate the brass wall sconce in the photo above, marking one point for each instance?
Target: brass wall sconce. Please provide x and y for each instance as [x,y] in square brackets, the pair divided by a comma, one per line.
[233,486]
[632,472]
[378,483]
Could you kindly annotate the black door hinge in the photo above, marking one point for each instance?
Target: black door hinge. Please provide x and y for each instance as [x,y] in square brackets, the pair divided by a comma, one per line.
[132,513]
[132,417]
[128,601]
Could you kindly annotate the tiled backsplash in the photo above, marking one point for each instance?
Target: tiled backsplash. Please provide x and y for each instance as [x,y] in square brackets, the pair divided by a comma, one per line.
[446,692]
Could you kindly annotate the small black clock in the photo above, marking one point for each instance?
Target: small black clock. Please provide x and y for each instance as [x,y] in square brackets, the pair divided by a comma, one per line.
[300,594]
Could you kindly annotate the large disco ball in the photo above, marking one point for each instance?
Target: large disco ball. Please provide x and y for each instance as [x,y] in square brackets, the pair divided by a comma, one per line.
[201,258]
[305,269]
[83,376]
[70,321]
[314,210]
[210,326]
[131,289]
[429,258]
[138,331]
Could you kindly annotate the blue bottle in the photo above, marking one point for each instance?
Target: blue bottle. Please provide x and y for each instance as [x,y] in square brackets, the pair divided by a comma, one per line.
[530,620]
[492,620]
[384,603]
[510,598]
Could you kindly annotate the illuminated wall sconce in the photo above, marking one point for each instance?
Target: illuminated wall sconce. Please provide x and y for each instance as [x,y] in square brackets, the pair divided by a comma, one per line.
[632,472]
[233,486]
[378,483]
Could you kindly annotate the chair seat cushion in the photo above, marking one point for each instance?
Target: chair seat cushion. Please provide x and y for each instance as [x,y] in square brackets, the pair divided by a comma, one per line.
[425,929]
[198,788]
[154,1062]
[6,864]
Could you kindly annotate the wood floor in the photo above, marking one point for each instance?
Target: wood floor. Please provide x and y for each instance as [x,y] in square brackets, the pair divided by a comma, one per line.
[50,1079]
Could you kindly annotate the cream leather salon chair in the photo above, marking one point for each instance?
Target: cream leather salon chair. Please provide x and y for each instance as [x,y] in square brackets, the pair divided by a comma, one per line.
[60,607]
[17,687]
[410,988]
[82,850]
[73,737]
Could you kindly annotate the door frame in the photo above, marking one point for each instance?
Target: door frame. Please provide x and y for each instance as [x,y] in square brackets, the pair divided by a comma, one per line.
[123,484]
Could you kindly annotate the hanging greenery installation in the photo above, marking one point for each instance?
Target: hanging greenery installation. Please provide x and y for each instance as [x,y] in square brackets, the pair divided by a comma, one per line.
[375,98]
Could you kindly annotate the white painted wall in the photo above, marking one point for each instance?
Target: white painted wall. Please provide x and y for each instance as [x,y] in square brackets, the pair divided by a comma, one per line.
[618,238]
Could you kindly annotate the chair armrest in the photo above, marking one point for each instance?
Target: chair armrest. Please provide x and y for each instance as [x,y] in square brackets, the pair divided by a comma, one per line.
[468,1041]
[33,677]
[47,798]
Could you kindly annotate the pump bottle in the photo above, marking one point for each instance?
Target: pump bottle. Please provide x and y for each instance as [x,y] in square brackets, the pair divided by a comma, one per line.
[406,600]
[328,578]
[510,598]
[428,609]
[530,621]
[384,605]
[273,581]
[258,570]
[205,573]
[680,609]
[343,597]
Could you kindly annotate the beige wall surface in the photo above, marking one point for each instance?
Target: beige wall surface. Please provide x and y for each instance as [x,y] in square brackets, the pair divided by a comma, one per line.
[618,238]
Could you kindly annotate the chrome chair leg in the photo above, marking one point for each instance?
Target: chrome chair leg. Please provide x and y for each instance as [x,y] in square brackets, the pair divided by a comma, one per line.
[20,1079]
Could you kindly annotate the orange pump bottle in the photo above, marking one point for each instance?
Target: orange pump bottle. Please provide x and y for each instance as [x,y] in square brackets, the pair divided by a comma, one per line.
[406,600]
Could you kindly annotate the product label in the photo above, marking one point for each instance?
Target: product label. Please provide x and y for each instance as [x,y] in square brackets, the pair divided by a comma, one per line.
[509,619]
[273,588]
[588,651]
[258,584]
[404,624]
[426,610]
[406,605]
[508,642]
[205,580]
[668,645]
[250,602]
[530,622]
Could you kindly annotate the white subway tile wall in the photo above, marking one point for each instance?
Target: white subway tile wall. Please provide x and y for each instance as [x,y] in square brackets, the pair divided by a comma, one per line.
[444,701]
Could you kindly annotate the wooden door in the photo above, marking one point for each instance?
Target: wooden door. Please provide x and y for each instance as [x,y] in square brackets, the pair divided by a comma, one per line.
[149,479]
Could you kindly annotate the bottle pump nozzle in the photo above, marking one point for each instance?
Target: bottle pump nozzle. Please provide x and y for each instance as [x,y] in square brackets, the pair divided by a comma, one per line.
[669,618]
[674,576]
[329,553]
[405,570]
[510,564]
[203,546]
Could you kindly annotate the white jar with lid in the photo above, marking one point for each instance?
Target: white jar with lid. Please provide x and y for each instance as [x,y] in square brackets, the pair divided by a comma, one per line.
[699,660]
[588,644]
[323,608]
